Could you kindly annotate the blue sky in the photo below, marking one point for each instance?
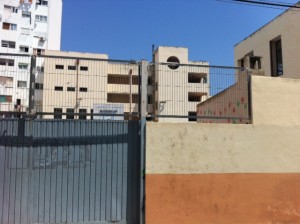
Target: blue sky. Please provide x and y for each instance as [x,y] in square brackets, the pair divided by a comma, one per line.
[126,29]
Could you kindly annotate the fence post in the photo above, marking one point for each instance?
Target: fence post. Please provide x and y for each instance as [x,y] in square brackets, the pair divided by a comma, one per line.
[250,108]
[32,84]
[143,113]
[143,92]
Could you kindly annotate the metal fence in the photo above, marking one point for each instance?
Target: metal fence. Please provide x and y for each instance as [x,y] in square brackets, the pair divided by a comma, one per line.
[198,92]
[62,171]
[14,82]
[64,87]
[94,87]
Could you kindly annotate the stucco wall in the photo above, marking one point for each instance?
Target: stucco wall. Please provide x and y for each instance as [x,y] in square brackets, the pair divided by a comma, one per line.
[275,101]
[218,173]
[228,106]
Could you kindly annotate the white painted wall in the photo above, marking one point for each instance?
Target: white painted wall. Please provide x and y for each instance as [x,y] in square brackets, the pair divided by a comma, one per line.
[55,24]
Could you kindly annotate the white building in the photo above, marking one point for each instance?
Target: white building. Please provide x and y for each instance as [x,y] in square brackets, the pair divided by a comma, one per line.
[30,25]
[26,27]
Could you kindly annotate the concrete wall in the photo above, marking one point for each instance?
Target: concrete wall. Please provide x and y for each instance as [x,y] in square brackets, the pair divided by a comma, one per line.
[287,27]
[216,173]
[228,106]
[275,101]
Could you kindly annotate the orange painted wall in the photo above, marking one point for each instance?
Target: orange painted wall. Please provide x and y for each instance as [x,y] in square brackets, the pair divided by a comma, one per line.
[223,198]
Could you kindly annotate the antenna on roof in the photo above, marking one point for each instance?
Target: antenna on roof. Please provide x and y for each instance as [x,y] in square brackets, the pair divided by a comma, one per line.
[153,59]
[25,5]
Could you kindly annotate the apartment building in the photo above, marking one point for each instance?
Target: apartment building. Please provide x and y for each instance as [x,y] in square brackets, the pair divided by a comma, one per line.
[178,84]
[273,50]
[84,83]
[29,26]
[26,27]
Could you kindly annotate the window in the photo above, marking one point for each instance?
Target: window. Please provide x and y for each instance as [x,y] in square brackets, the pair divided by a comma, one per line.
[255,62]
[8,44]
[122,98]
[84,68]
[11,8]
[58,88]
[18,101]
[22,84]
[82,114]
[92,111]
[59,67]
[42,2]
[5,99]
[192,116]
[26,14]
[9,26]
[39,85]
[241,63]
[24,49]
[13,26]
[57,113]
[6,81]
[9,62]
[71,67]
[71,89]
[40,68]
[195,97]
[276,57]
[122,79]
[174,61]
[70,113]
[149,99]
[38,51]
[23,66]
[40,18]
[195,77]
[150,80]
[83,89]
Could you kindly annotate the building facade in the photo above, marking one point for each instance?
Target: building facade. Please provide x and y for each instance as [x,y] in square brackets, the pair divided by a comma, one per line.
[72,82]
[274,49]
[28,27]
[178,84]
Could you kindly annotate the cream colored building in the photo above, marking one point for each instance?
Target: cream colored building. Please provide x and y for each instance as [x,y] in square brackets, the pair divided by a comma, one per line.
[178,87]
[70,82]
[274,49]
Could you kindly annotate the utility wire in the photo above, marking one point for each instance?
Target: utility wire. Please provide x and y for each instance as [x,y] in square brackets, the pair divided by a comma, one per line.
[267,3]
[249,4]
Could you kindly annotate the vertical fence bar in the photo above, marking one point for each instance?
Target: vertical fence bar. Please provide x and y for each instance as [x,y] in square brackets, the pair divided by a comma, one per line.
[32,84]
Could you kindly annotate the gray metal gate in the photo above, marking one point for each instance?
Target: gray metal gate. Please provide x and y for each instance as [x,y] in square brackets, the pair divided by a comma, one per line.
[69,171]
